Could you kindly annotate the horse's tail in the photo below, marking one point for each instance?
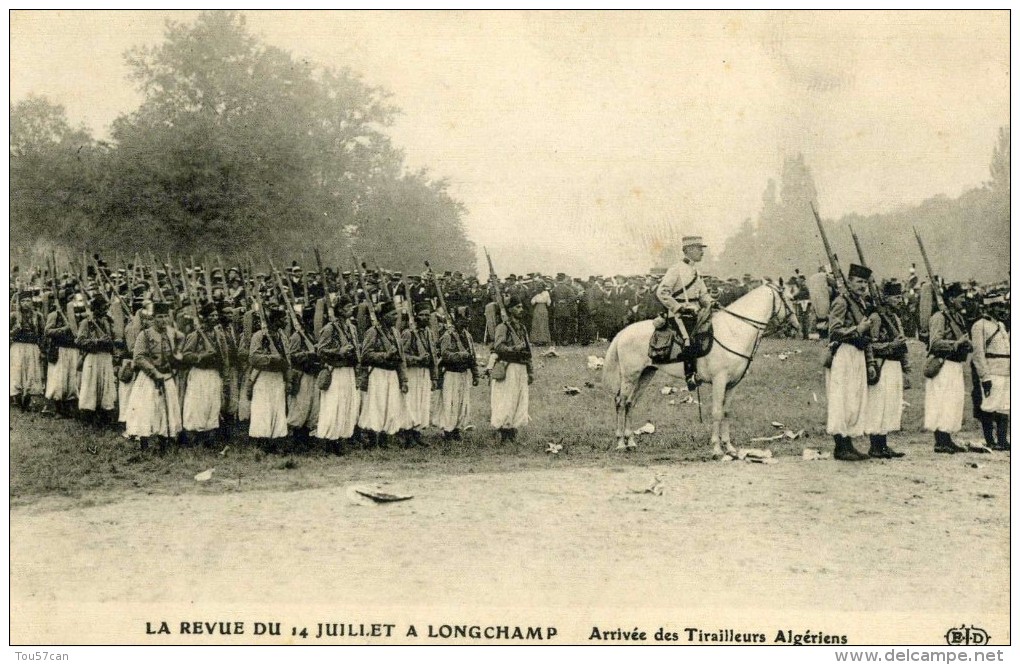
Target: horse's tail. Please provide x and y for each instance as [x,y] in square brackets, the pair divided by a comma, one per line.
[611,367]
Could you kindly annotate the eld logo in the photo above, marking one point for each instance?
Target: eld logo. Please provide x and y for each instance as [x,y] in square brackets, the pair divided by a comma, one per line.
[964,636]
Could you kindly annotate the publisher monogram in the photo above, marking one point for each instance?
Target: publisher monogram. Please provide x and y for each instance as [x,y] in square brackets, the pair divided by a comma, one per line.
[967,636]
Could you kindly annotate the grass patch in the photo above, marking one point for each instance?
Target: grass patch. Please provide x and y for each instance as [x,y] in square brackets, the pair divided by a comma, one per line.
[76,465]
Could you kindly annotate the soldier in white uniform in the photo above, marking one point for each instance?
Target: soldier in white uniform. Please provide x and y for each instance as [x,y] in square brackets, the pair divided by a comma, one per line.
[847,379]
[991,370]
[944,392]
[686,298]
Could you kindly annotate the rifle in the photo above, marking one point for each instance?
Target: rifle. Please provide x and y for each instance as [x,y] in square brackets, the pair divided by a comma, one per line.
[364,289]
[464,334]
[396,337]
[291,309]
[194,310]
[888,320]
[105,281]
[56,294]
[157,291]
[439,290]
[260,308]
[494,281]
[499,301]
[413,325]
[855,309]
[936,290]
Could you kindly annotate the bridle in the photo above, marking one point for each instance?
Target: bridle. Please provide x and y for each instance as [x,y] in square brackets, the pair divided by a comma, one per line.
[759,327]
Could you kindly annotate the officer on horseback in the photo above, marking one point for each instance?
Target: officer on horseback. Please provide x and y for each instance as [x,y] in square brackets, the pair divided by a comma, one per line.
[687,301]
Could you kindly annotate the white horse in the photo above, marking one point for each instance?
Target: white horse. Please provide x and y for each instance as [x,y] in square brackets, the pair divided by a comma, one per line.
[737,331]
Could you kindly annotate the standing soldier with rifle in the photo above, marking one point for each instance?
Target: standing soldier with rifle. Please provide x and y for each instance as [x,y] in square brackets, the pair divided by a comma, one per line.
[846,379]
[889,349]
[62,372]
[421,369]
[340,399]
[205,355]
[948,348]
[512,372]
[27,334]
[269,364]
[98,390]
[383,407]
[458,369]
[155,411]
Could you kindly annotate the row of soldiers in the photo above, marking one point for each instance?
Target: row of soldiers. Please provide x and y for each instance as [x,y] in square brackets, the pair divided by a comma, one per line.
[283,356]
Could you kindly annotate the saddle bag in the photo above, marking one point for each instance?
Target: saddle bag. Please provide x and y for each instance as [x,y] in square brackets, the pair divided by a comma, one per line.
[660,346]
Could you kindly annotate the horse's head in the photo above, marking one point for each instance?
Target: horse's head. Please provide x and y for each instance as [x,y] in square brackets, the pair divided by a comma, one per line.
[784,316]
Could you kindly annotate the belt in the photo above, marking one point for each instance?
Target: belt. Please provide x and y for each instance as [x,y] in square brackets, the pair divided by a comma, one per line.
[996,355]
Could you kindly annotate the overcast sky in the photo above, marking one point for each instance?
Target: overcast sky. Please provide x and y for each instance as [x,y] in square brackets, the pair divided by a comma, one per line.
[565,131]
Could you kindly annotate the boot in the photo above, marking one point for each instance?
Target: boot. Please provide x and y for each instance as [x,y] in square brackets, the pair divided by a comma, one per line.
[845,450]
[512,433]
[944,444]
[987,428]
[876,449]
[889,452]
[1001,431]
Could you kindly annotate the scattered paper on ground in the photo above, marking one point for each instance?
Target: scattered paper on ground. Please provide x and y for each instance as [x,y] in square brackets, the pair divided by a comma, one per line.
[205,475]
[647,428]
[594,362]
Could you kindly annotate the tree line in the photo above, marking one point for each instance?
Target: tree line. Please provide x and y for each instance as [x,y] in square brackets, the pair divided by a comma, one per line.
[966,237]
[237,148]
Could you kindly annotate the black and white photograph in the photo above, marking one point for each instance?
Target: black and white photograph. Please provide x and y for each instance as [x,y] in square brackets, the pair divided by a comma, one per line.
[518,327]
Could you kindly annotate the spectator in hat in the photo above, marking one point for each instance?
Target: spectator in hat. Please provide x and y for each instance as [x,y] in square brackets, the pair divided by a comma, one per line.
[540,316]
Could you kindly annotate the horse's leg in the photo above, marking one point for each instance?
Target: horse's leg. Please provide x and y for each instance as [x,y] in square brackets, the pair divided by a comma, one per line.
[620,402]
[727,395]
[643,379]
[718,409]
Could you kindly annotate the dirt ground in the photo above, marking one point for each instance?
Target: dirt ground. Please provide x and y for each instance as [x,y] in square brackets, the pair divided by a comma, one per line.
[925,536]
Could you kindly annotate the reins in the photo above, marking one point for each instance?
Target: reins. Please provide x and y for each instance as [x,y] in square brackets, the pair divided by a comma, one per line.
[759,327]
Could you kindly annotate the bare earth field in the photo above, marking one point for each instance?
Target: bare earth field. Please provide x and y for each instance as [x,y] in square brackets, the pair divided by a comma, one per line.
[883,551]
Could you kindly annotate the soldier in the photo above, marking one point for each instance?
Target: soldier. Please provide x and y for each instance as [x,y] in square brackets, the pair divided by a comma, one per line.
[303,406]
[383,407]
[943,385]
[62,370]
[420,382]
[684,295]
[204,354]
[267,356]
[847,379]
[340,400]
[459,368]
[990,371]
[27,333]
[511,375]
[885,396]
[155,412]
[98,390]
[140,320]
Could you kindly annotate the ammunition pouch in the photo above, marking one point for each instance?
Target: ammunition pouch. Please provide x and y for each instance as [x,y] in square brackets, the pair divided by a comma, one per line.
[324,378]
[932,366]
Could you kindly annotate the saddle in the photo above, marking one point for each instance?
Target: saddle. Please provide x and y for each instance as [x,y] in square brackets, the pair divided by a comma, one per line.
[667,345]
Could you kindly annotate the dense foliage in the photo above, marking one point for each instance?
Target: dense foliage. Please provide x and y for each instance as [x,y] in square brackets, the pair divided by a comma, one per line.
[237,148]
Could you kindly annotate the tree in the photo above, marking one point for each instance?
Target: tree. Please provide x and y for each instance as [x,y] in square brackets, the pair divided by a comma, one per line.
[239,147]
[55,175]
